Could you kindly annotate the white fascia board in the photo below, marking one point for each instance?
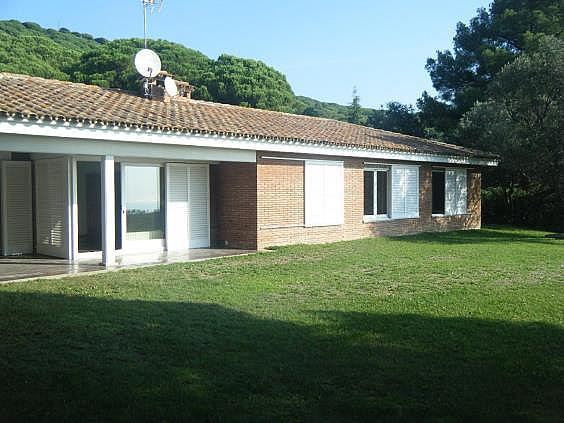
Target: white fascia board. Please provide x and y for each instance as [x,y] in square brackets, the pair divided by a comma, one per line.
[89,148]
[135,135]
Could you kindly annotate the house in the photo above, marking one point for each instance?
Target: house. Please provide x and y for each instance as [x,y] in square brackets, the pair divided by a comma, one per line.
[90,172]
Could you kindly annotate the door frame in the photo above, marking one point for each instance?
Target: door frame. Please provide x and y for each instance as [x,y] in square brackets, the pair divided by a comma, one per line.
[145,246]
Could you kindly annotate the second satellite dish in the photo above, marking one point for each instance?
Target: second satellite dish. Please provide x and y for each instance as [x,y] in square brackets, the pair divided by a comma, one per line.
[170,87]
[147,63]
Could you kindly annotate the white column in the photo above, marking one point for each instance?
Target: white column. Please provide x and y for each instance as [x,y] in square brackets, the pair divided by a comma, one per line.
[108,212]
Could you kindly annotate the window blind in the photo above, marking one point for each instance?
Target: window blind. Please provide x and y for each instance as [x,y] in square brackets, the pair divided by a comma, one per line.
[324,193]
[405,191]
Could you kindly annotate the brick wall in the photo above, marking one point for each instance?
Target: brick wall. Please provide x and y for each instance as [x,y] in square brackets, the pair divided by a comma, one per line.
[280,206]
[233,191]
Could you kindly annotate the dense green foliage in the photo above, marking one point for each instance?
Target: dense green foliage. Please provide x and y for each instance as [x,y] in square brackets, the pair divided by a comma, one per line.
[501,90]
[495,37]
[249,83]
[310,107]
[523,120]
[397,117]
[111,65]
[27,48]
[464,326]
[30,49]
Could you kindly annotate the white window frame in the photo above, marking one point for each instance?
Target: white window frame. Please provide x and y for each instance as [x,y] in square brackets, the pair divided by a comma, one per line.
[379,217]
[311,218]
[140,246]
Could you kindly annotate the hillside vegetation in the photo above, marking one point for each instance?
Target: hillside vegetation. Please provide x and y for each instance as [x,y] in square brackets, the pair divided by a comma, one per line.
[60,54]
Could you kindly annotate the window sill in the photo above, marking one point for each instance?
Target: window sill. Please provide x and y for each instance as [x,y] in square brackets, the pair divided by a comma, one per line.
[375,219]
[321,225]
[370,219]
[451,215]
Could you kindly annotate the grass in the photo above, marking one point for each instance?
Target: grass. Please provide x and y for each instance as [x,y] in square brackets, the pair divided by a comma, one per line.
[442,327]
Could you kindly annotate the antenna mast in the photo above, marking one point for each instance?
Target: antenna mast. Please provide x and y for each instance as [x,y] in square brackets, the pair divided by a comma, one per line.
[149,4]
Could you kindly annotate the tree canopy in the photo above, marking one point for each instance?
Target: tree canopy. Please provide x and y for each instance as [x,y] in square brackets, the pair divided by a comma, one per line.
[522,119]
[61,54]
[492,39]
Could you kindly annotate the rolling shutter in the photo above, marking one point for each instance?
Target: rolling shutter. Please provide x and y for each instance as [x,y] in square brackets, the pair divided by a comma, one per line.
[199,207]
[456,191]
[17,234]
[187,224]
[52,207]
[324,193]
[405,192]
[177,207]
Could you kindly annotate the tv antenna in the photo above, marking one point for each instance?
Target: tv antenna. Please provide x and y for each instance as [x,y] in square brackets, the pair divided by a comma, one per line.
[149,5]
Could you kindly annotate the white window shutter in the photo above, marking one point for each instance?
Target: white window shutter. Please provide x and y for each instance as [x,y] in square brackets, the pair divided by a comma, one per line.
[456,191]
[314,193]
[187,209]
[199,206]
[52,213]
[177,207]
[462,191]
[398,191]
[17,235]
[412,192]
[405,191]
[450,192]
[324,193]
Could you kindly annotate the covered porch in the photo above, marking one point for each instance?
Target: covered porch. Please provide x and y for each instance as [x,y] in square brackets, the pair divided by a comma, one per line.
[66,209]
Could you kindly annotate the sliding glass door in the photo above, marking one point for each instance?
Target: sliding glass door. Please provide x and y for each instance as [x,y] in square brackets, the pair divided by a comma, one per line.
[143,214]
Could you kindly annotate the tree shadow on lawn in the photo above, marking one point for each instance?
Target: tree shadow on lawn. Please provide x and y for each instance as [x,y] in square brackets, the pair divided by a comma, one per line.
[92,359]
[480,236]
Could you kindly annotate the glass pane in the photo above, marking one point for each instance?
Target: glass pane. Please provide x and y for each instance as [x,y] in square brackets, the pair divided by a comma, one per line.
[368,193]
[144,203]
[382,192]
[438,192]
[88,184]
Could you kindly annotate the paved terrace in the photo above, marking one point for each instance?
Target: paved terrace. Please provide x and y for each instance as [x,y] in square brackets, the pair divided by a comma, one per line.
[36,267]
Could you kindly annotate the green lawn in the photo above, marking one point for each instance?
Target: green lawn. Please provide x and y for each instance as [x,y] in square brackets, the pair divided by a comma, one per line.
[442,327]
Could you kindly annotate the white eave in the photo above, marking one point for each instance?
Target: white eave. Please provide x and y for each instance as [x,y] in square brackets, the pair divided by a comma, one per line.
[117,133]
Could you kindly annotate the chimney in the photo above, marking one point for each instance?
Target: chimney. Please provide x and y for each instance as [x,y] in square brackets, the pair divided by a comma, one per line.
[157,91]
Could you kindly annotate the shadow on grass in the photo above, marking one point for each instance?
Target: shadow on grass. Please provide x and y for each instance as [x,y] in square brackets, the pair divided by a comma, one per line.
[91,359]
[482,236]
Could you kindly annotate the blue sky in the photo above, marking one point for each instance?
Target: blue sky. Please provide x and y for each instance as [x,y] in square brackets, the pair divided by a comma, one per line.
[324,47]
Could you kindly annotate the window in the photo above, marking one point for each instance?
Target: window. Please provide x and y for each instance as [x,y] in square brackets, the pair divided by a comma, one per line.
[405,191]
[438,191]
[376,192]
[456,191]
[324,193]
[144,202]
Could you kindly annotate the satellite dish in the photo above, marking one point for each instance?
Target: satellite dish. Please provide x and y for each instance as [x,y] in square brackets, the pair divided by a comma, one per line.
[170,86]
[147,63]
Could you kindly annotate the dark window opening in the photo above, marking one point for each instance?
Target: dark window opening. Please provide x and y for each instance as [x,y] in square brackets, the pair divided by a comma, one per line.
[382,192]
[118,210]
[89,206]
[438,188]
[368,193]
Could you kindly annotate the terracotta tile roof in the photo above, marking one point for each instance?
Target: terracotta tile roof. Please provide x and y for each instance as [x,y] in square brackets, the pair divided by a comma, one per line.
[32,97]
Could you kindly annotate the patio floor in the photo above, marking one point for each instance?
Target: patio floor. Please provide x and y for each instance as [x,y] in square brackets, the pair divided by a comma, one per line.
[32,267]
